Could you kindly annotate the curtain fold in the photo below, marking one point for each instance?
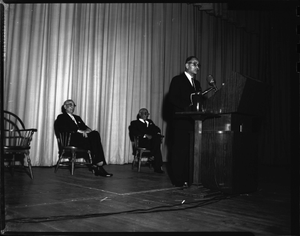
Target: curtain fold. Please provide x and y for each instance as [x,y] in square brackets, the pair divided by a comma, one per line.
[113,59]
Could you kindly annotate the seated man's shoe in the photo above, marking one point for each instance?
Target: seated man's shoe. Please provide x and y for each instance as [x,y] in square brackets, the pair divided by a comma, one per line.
[103,172]
[99,171]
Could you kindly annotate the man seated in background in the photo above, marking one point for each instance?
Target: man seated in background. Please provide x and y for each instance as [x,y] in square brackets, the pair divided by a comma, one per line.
[82,136]
[150,137]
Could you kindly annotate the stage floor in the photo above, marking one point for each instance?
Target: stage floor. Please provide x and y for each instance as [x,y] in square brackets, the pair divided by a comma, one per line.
[139,202]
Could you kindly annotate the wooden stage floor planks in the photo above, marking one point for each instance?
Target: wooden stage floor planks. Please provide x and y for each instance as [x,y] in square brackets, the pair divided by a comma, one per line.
[138,202]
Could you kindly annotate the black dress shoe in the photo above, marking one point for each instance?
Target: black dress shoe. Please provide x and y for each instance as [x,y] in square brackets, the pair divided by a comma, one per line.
[103,172]
[99,171]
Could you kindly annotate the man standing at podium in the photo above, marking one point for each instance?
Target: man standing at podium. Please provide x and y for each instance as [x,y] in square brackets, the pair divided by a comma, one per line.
[181,91]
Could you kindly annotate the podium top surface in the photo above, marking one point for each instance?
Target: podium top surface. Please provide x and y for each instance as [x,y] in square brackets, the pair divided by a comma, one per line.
[239,94]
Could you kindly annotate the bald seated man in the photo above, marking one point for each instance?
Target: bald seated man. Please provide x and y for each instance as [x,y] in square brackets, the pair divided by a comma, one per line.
[150,137]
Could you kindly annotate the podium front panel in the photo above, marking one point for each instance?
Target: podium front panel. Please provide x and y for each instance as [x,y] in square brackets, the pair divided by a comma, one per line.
[229,158]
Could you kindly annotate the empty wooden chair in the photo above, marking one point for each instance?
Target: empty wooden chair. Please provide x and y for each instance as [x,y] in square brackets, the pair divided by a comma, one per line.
[16,141]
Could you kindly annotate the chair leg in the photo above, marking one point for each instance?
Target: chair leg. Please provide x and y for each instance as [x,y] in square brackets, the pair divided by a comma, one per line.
[58,162]
[29,165]
[134,161]
[73,162]
[12,165]
[140,161]
[90,157]
[150,159]
[132,165]
[90,160]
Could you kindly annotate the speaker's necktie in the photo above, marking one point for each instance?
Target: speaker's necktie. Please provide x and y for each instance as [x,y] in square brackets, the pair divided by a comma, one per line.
[193,82]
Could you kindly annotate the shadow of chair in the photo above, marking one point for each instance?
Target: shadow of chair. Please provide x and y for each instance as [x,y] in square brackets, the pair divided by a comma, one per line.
[68,154]
[16,141]
[140,154]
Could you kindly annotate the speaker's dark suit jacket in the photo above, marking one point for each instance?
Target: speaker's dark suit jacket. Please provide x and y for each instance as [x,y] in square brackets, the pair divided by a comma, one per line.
[64,123]
[138,128]
[180,92]
[182,127]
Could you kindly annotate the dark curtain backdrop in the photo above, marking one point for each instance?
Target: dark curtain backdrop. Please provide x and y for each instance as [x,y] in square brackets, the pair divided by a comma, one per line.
[257,40]
[113,59]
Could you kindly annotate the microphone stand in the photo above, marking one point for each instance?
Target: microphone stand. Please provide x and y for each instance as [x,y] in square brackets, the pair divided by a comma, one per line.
[208,90]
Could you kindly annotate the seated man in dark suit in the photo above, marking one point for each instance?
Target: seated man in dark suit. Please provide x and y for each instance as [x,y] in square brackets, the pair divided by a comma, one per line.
[150,137]
[82,137]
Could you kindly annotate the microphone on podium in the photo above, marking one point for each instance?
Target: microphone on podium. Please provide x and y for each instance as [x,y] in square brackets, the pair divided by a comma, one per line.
[211,81]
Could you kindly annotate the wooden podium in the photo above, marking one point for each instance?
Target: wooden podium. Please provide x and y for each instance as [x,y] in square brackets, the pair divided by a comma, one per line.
[196,142]
[225,139]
